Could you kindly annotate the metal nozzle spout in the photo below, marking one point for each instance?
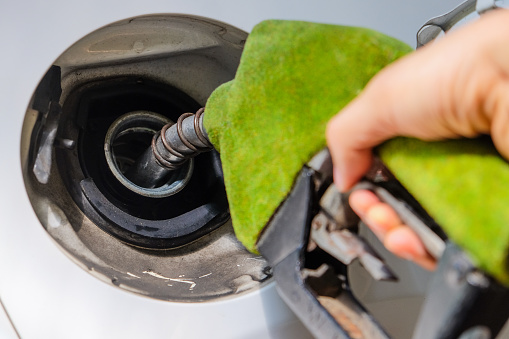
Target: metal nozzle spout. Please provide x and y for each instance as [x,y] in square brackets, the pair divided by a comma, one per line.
[167,161]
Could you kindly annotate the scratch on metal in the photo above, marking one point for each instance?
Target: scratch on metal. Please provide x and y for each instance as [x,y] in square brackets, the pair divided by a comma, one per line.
[185,281]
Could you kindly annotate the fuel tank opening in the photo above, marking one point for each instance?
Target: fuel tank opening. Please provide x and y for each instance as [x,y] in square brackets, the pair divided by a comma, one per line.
[125,113]
[127,140]
[177,247]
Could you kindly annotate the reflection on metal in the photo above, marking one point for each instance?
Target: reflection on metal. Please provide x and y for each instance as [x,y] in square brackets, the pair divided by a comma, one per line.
[42,166]
[441,24]
[433,27]
[45,107]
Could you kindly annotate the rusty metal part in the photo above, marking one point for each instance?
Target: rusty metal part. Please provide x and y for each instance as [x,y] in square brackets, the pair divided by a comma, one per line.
[199,129]
[342,311]
[159,158]
[340,304]
[181,134]
[169,151]
[165,143]
[185,139]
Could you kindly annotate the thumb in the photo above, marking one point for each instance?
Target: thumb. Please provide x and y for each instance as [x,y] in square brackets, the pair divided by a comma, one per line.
[391,104]
[351,135]
[498,106]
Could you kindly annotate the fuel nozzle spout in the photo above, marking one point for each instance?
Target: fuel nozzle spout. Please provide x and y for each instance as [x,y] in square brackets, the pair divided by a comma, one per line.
[173,146]
[167,161]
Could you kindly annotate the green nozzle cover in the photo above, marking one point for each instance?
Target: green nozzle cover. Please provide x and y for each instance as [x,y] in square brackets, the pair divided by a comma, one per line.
[461,184]
[270,120]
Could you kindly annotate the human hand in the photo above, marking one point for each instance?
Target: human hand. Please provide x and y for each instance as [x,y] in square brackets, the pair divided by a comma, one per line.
[456,87]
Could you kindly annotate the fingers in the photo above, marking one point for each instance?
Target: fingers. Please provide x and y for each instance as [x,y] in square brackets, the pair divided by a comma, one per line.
[387,226]
[456,87]
[377,215]
[449,89]
[387,107]
[403,242]
[499,106]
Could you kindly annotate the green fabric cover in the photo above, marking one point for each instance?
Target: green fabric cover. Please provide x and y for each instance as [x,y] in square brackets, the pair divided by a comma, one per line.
[462,184]
[270,120]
